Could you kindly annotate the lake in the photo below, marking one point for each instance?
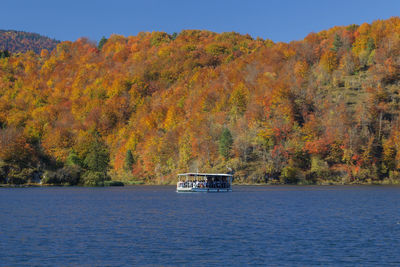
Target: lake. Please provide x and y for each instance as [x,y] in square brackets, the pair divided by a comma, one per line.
[154,225]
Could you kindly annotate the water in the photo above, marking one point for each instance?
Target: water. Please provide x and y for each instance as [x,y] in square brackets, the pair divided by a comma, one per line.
[150,225]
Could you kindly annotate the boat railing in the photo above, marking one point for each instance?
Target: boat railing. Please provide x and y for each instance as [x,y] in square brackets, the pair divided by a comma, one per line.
[196,184]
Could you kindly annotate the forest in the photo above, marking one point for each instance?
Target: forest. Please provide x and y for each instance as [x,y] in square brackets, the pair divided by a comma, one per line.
[140,109]
[21,42]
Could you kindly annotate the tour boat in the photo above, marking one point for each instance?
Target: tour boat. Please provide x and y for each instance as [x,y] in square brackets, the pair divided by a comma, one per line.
[204,182]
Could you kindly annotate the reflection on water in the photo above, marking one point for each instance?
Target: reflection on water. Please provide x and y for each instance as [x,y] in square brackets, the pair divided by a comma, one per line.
[151,225]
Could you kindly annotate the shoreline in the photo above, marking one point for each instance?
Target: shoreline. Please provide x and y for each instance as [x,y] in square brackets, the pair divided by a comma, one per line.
[234,184]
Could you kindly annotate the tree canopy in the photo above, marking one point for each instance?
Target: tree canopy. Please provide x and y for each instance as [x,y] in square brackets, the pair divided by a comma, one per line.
[322,109]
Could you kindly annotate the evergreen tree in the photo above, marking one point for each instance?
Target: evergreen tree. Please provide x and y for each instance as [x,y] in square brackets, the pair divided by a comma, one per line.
[129,160]
[337,43]
[98,158]
[102,42]
[225,143]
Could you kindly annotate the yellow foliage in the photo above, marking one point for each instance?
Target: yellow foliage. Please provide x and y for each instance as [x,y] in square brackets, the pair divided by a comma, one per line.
[301,68]
[165,51]
[238,100]
[132,141]
[185,152]
[171,119]
[329,61]
[362,36]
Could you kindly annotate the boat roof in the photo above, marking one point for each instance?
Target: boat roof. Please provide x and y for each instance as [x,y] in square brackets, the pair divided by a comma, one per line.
[204,174]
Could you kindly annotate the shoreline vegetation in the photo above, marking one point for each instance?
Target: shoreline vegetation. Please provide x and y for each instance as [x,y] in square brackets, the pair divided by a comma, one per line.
[141,183]
[322,110]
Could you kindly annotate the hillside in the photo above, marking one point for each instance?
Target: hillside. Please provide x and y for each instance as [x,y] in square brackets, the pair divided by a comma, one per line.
[19,41]
[146,107]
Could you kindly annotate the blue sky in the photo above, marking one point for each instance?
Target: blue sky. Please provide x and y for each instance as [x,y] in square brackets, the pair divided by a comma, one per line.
[283,20]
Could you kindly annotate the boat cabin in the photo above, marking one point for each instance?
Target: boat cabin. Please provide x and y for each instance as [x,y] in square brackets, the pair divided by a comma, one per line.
[204,182]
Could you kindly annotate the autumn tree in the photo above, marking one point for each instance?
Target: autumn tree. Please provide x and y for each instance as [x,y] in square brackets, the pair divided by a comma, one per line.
[325,107]
[329,61]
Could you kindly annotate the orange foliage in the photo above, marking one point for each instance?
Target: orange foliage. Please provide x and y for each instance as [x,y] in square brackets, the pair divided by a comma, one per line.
[167,99]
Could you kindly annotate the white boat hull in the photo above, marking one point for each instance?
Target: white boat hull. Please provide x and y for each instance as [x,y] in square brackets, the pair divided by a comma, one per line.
[205,190]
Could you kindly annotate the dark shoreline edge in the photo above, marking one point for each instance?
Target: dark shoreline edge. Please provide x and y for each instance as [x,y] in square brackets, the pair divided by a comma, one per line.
[234,184]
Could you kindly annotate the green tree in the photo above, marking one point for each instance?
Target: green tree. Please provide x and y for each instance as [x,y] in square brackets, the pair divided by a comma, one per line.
[370,44]
[225,143]
[102,41]
[337,43]
[129,160]
[289,175]
[96,163]
[98,157]
[73,159]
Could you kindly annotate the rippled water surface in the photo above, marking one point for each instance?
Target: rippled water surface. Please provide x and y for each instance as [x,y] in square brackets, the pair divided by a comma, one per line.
[151,225]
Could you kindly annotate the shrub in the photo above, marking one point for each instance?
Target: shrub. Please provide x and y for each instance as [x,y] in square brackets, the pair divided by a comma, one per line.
[364,175]
[289,175]
[93,178]
[258,176]
[4,169]
[20,176]
[69,175]
[49,177]
[319,168]
[113,183]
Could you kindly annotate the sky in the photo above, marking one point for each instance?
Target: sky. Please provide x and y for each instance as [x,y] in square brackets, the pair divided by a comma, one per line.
[283,20]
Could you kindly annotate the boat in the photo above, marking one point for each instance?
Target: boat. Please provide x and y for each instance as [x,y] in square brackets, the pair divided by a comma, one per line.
[204,182]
